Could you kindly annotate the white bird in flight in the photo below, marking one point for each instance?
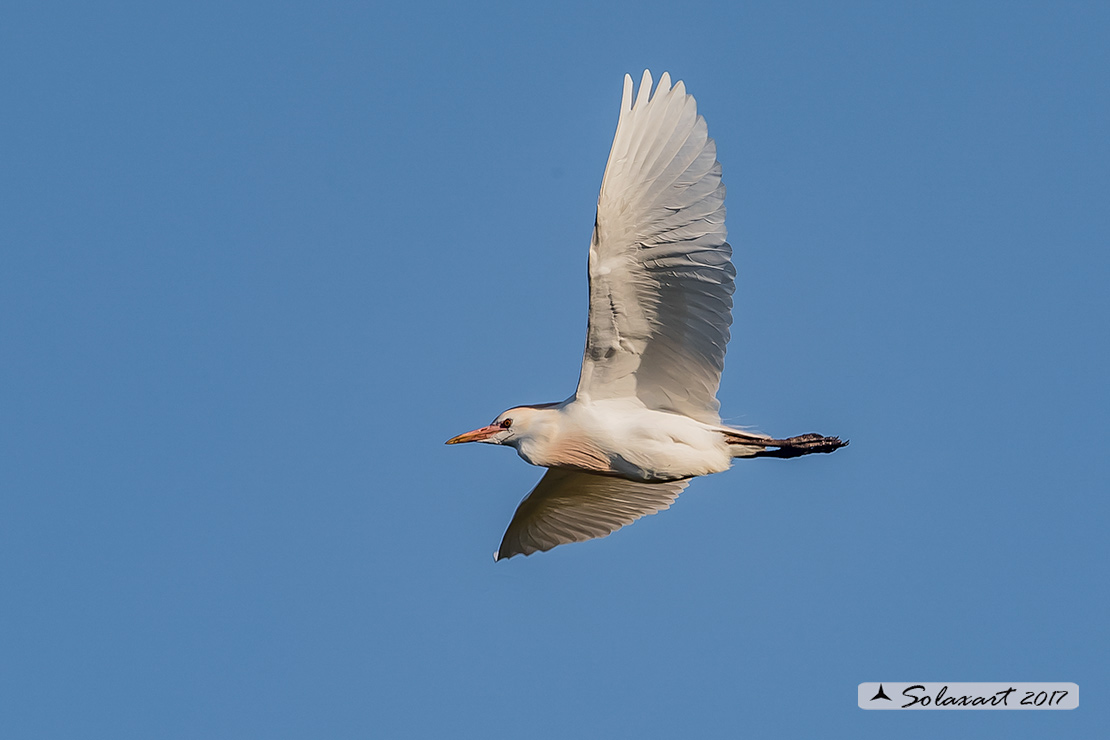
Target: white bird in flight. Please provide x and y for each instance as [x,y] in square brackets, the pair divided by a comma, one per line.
[644,419]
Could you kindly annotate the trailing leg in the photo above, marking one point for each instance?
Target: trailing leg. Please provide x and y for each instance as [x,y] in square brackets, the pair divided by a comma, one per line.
[754,445]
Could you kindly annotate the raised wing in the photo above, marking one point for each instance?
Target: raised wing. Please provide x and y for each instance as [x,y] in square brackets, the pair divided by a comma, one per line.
[572,506]
[661,275]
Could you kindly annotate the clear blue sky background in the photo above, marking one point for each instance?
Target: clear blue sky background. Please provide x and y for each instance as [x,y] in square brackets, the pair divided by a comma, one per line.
[258,261]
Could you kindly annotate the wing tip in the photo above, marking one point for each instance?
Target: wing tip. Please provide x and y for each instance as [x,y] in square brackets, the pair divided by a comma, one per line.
[664,85]
[644,93]
[626,94]
[498,556]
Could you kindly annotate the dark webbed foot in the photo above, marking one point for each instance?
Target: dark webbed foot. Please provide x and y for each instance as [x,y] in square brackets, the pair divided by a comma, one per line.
[805,444]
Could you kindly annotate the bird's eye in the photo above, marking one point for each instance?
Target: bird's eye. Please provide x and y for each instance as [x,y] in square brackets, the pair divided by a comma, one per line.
[506,423]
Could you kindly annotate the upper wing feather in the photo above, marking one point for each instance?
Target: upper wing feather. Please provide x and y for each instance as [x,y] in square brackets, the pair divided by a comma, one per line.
[572,506]
[661,275]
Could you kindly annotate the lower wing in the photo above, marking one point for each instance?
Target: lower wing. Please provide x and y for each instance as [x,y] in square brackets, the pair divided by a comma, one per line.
[573,506]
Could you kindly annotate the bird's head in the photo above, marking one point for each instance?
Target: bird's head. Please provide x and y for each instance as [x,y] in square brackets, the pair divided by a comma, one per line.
[509,428]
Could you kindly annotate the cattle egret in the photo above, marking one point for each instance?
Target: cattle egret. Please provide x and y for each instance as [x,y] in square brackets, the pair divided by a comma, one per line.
[644,419]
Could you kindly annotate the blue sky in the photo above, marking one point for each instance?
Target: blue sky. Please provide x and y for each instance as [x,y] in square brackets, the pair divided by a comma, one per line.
[260,260]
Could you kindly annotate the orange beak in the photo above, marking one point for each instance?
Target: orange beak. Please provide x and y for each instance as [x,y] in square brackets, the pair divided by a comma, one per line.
[476,436]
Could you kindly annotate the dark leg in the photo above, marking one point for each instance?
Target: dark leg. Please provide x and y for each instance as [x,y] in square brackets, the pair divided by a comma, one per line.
[806,444]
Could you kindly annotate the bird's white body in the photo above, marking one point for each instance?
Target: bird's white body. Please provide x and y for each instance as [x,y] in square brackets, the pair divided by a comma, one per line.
[620,437]
[644,418]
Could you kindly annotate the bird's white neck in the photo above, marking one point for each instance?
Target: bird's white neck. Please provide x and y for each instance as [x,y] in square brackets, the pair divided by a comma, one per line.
[552,439]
